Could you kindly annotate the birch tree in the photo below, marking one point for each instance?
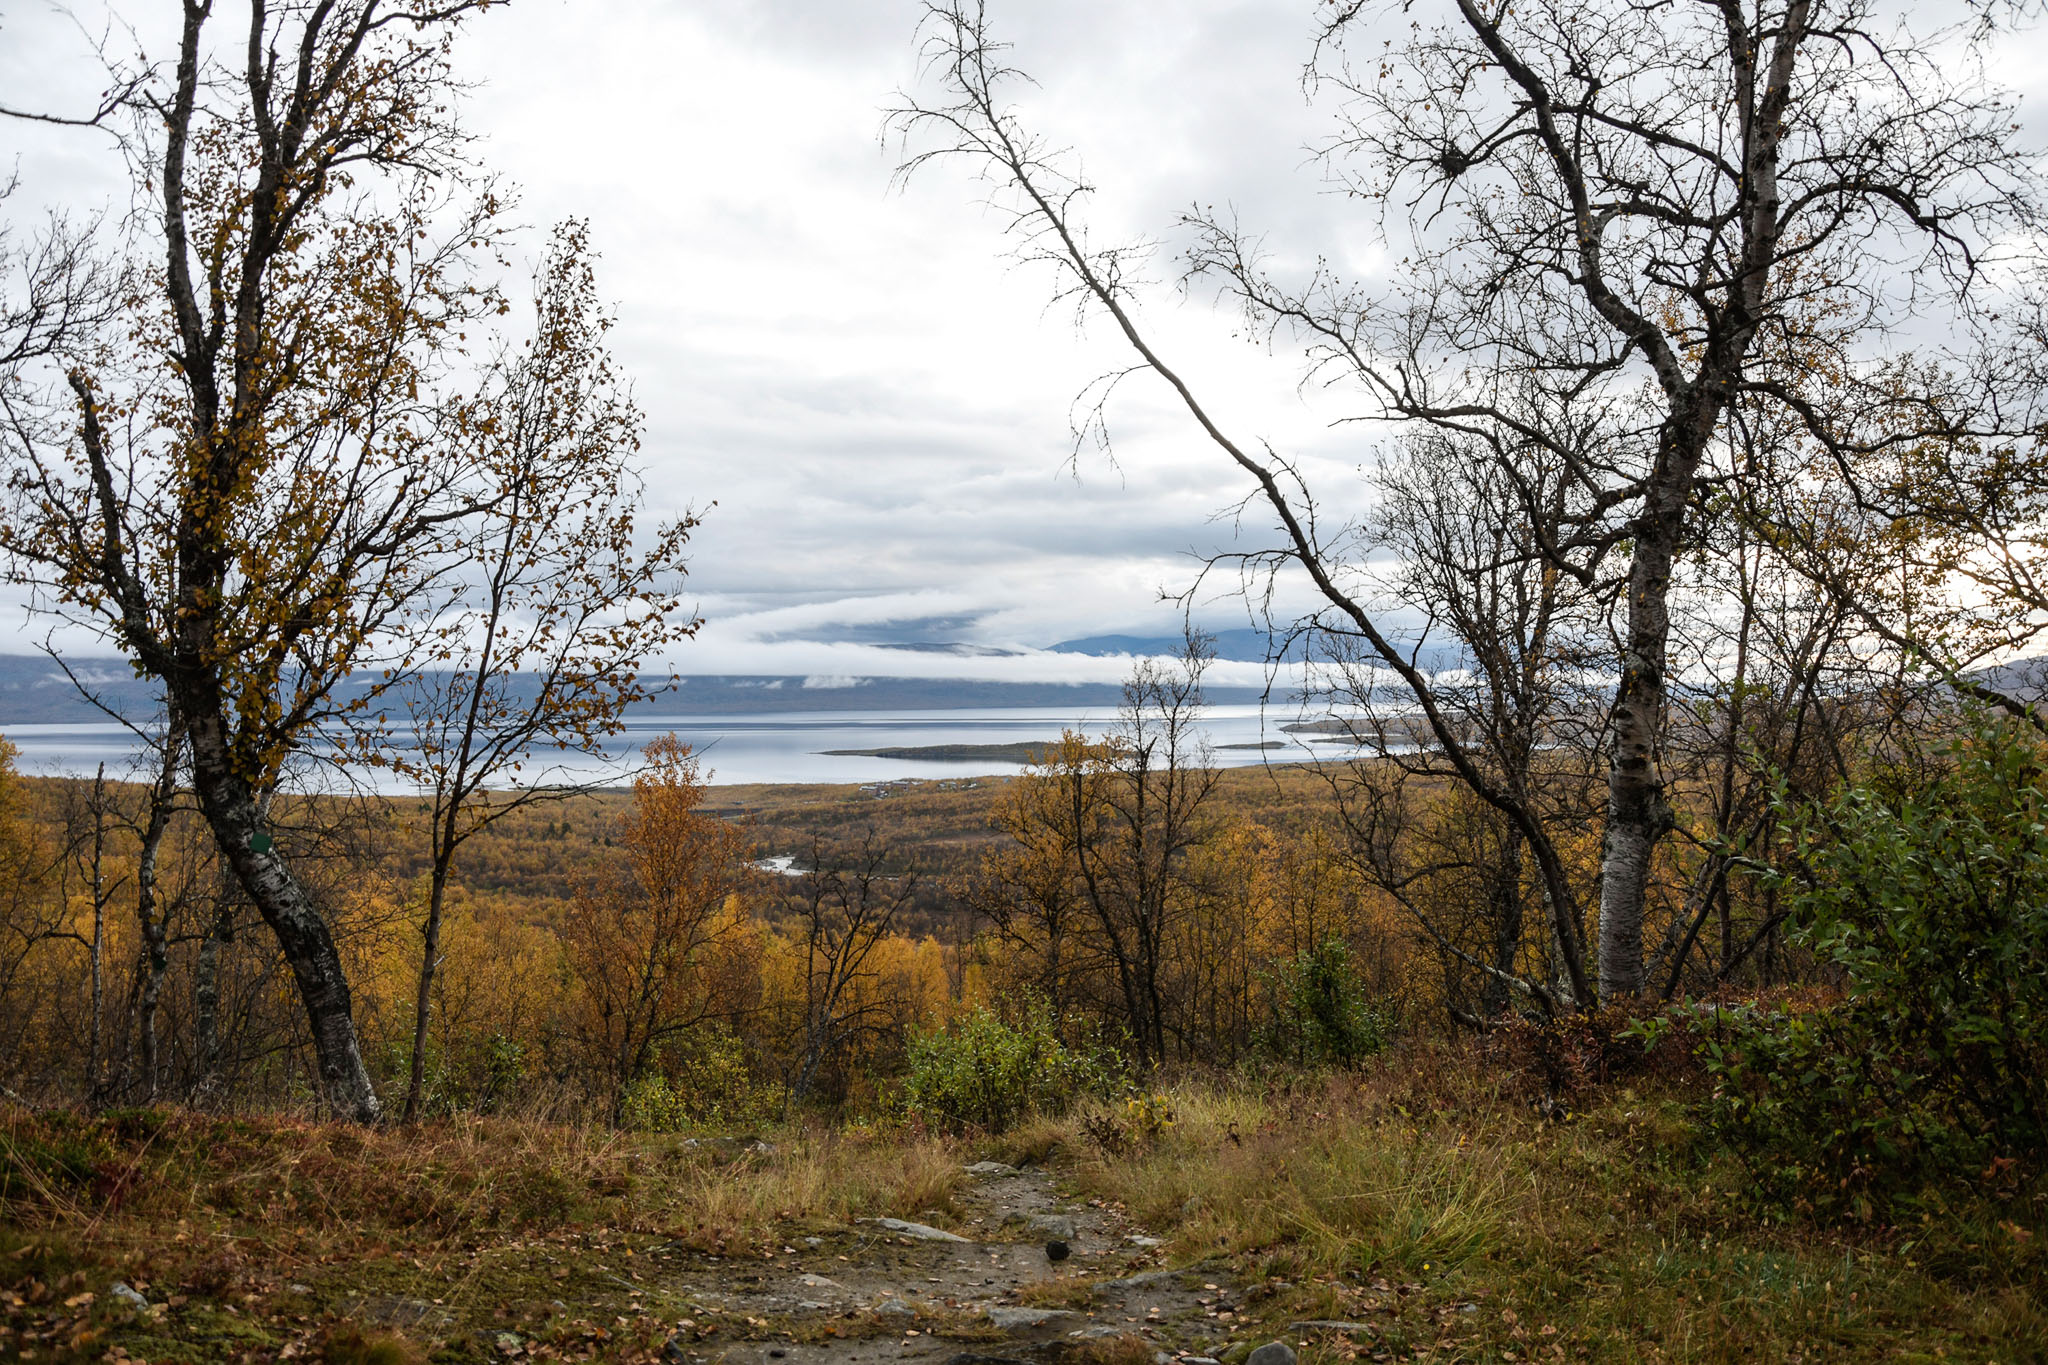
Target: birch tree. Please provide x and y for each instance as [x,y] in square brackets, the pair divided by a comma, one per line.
[254,481]
[1621,224]
[538,652]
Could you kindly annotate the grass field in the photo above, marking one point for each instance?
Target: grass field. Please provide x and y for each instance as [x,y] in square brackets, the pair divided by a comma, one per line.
[1455,1224]
[1423,1201]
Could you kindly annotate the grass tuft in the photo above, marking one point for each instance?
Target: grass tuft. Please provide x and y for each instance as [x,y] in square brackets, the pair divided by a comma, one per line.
[1430,1199]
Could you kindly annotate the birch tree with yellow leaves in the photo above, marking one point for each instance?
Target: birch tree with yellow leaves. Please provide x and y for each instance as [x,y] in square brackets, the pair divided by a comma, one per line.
[264,471]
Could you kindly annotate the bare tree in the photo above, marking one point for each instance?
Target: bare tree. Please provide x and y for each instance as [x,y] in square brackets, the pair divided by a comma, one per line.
[1506,642]
[1102,878]
[1136,878]
[847,906]
[1631,220]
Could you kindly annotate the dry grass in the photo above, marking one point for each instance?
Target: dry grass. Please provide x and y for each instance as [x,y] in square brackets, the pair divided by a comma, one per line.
[1124,1350]
[1431,1202]
[1424,1198]
[254,1235]
[1057,1293]
[1033,1142]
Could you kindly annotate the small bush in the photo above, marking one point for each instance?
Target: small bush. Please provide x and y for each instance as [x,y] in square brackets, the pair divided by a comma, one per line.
[350,1345]
[985,1073]
[704,1083]
[1143,1120]
[1323,1014]
[1573,1056]
[62,1159]
[535,1195]
[1933,1065]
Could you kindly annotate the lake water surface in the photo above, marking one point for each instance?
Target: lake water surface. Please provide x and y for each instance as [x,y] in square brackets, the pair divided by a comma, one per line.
[787,747]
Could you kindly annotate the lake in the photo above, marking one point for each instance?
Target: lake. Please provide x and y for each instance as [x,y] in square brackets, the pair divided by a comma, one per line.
[785,747]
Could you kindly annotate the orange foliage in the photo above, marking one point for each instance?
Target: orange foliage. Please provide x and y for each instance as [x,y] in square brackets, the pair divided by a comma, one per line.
[665,943]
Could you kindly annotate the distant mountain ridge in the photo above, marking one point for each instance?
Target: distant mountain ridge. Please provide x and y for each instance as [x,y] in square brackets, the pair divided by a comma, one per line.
[34,691]
[1239,646]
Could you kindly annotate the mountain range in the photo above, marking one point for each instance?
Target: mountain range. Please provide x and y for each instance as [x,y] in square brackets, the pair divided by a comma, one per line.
[35,691]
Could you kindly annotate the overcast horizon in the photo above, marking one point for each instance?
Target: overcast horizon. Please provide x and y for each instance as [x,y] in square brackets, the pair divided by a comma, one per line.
[866,397]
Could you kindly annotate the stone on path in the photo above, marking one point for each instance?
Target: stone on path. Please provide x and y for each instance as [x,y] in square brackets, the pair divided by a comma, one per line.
[1326,1325]
[128,1297]
[731,1148]
[1057,1225]
[1057,1250]
[404,1314]
[1272,1353]
[1018,1319]
[991,1169]
[1144,1280]
[923,1231]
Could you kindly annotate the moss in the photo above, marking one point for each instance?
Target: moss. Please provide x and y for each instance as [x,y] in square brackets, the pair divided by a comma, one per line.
[349,1345]
[55,1164]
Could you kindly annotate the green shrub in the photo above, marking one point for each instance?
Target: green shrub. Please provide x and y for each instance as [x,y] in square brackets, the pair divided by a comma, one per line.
[1323,1014]
[982,1072]
[1826,1117]
[703,1082]
[1933,906]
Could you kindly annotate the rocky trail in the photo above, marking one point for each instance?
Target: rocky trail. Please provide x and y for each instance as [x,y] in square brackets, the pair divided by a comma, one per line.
[1029,1277]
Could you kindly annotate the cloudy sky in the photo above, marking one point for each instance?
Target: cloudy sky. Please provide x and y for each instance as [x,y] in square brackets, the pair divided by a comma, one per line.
[874,396]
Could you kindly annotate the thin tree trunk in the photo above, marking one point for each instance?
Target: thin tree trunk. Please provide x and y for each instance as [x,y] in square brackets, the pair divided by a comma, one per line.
[1731,749]
[1560,974]
[1507,927]
[156,953]
[206,996]
[423,999]
[149,1005]
[99,932]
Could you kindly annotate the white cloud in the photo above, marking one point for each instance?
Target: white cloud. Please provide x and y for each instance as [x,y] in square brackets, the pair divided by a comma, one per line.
[875,399]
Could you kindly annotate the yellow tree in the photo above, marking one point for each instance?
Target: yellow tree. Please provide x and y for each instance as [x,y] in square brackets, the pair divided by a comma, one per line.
[28,914]
[268,472]
[1028,887]
[665,945]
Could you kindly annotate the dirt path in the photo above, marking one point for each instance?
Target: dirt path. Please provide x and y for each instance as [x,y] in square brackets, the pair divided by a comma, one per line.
[884,1292]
